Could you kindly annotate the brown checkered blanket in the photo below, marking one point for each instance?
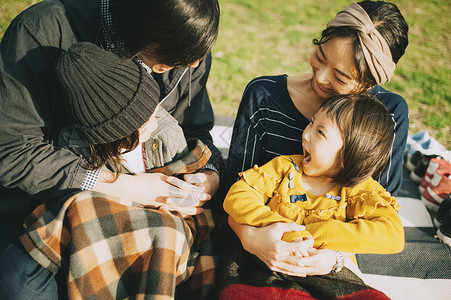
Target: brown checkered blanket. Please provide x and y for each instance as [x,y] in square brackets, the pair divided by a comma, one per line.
[109,246]
[114,249]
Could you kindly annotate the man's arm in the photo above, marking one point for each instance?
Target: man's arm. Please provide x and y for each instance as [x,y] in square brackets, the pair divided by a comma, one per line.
[30,108]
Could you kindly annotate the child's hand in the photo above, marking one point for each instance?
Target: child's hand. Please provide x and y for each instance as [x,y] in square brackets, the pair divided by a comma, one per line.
[157,190]
[266,243]
[305,244]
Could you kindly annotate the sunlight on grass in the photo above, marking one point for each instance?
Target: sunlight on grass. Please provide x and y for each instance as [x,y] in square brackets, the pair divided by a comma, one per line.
[9,9]
[275,37]
[269,37]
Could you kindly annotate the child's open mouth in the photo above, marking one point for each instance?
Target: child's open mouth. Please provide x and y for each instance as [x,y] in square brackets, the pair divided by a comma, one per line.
[307,157]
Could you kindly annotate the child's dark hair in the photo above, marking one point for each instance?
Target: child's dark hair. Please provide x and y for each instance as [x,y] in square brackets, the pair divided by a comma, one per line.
[390,23]
[110,154]
[108,98]
[176,33]
[367,129]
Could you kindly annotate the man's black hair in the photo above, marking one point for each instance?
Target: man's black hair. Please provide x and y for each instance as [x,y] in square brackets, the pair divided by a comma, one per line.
[175,33]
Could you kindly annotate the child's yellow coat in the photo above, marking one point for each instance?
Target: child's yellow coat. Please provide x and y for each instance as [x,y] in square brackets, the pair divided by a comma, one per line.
[361,219]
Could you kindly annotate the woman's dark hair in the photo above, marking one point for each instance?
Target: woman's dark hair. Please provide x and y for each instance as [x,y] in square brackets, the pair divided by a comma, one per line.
[367,129]
[390,23]
[110,154]
[176,33]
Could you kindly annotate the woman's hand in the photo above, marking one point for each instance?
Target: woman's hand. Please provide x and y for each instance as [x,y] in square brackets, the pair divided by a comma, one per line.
[155,190]
[207,180]
[319,261]
[266,244]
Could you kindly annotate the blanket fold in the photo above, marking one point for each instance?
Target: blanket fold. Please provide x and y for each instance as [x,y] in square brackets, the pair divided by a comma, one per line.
[114,249]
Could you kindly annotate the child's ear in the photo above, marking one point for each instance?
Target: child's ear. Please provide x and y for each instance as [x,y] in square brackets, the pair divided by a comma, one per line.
[161,68]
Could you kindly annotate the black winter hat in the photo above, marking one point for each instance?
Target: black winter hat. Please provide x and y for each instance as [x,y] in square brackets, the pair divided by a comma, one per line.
[107,95]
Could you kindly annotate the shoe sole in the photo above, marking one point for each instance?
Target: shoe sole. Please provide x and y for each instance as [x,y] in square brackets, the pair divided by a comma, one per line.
[445,239]
[429,205]
[425,182]
[434,196]
[409,166]
[415,177]
[436,223]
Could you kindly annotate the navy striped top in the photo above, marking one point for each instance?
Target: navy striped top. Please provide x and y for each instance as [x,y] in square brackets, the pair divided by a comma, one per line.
[268,124]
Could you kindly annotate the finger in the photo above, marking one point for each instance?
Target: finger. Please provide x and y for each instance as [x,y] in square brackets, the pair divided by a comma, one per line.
[183,189]
[197,178]
[284,257]
[304,245]
[289,269]
[309,270]
[187,201]
[309,264]
[183,202]
[290,274]
[187,211]
[288,227]
[289,247]
[180,199]
[303,252]
[308,243]
[180,183]
[194,194]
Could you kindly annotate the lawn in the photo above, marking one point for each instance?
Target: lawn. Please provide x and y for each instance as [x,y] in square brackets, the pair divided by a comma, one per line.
[267,37]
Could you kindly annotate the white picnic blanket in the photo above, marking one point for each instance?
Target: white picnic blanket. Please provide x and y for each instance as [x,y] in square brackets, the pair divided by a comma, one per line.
[421,271]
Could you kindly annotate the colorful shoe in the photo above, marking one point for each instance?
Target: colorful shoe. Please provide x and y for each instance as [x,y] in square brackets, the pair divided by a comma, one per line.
[414,142]
[435,164]
[444,231]
[426,144]
[413,160]
[419,137]
[444,208]
[419,171]
[437,191]
[432,146]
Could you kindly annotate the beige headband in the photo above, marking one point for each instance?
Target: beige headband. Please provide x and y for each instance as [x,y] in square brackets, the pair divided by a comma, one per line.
[375,48]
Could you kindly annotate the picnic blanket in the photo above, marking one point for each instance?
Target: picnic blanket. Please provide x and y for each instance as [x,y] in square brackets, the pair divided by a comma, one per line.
[106,244]
[115,249]
[421,271]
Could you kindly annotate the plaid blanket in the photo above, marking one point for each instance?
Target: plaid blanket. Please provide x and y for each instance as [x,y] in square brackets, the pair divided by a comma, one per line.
[116,249]
[242,275]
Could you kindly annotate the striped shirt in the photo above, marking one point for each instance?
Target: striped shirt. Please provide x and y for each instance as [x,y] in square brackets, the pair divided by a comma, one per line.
[268,124]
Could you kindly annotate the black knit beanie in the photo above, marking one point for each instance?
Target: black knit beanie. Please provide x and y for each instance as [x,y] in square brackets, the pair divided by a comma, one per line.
[108,96]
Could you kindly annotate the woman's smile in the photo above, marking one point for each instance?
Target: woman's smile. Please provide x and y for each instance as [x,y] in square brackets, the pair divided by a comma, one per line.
[323,88]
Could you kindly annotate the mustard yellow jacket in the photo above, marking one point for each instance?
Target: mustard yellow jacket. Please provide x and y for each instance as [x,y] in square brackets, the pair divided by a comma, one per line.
[361,219]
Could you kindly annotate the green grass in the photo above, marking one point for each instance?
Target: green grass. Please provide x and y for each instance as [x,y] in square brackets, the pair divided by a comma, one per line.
[268,37]
[9,9]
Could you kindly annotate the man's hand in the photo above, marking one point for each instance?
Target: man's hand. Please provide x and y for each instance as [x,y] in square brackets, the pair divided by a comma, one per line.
[207,180]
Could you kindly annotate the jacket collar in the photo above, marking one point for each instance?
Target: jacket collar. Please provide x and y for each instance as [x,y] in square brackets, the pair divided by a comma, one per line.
[112,41]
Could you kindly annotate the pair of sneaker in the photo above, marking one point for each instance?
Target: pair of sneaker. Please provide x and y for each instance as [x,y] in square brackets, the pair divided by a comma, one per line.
[426,144]
[443,221]
[417,164]
[435,185]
